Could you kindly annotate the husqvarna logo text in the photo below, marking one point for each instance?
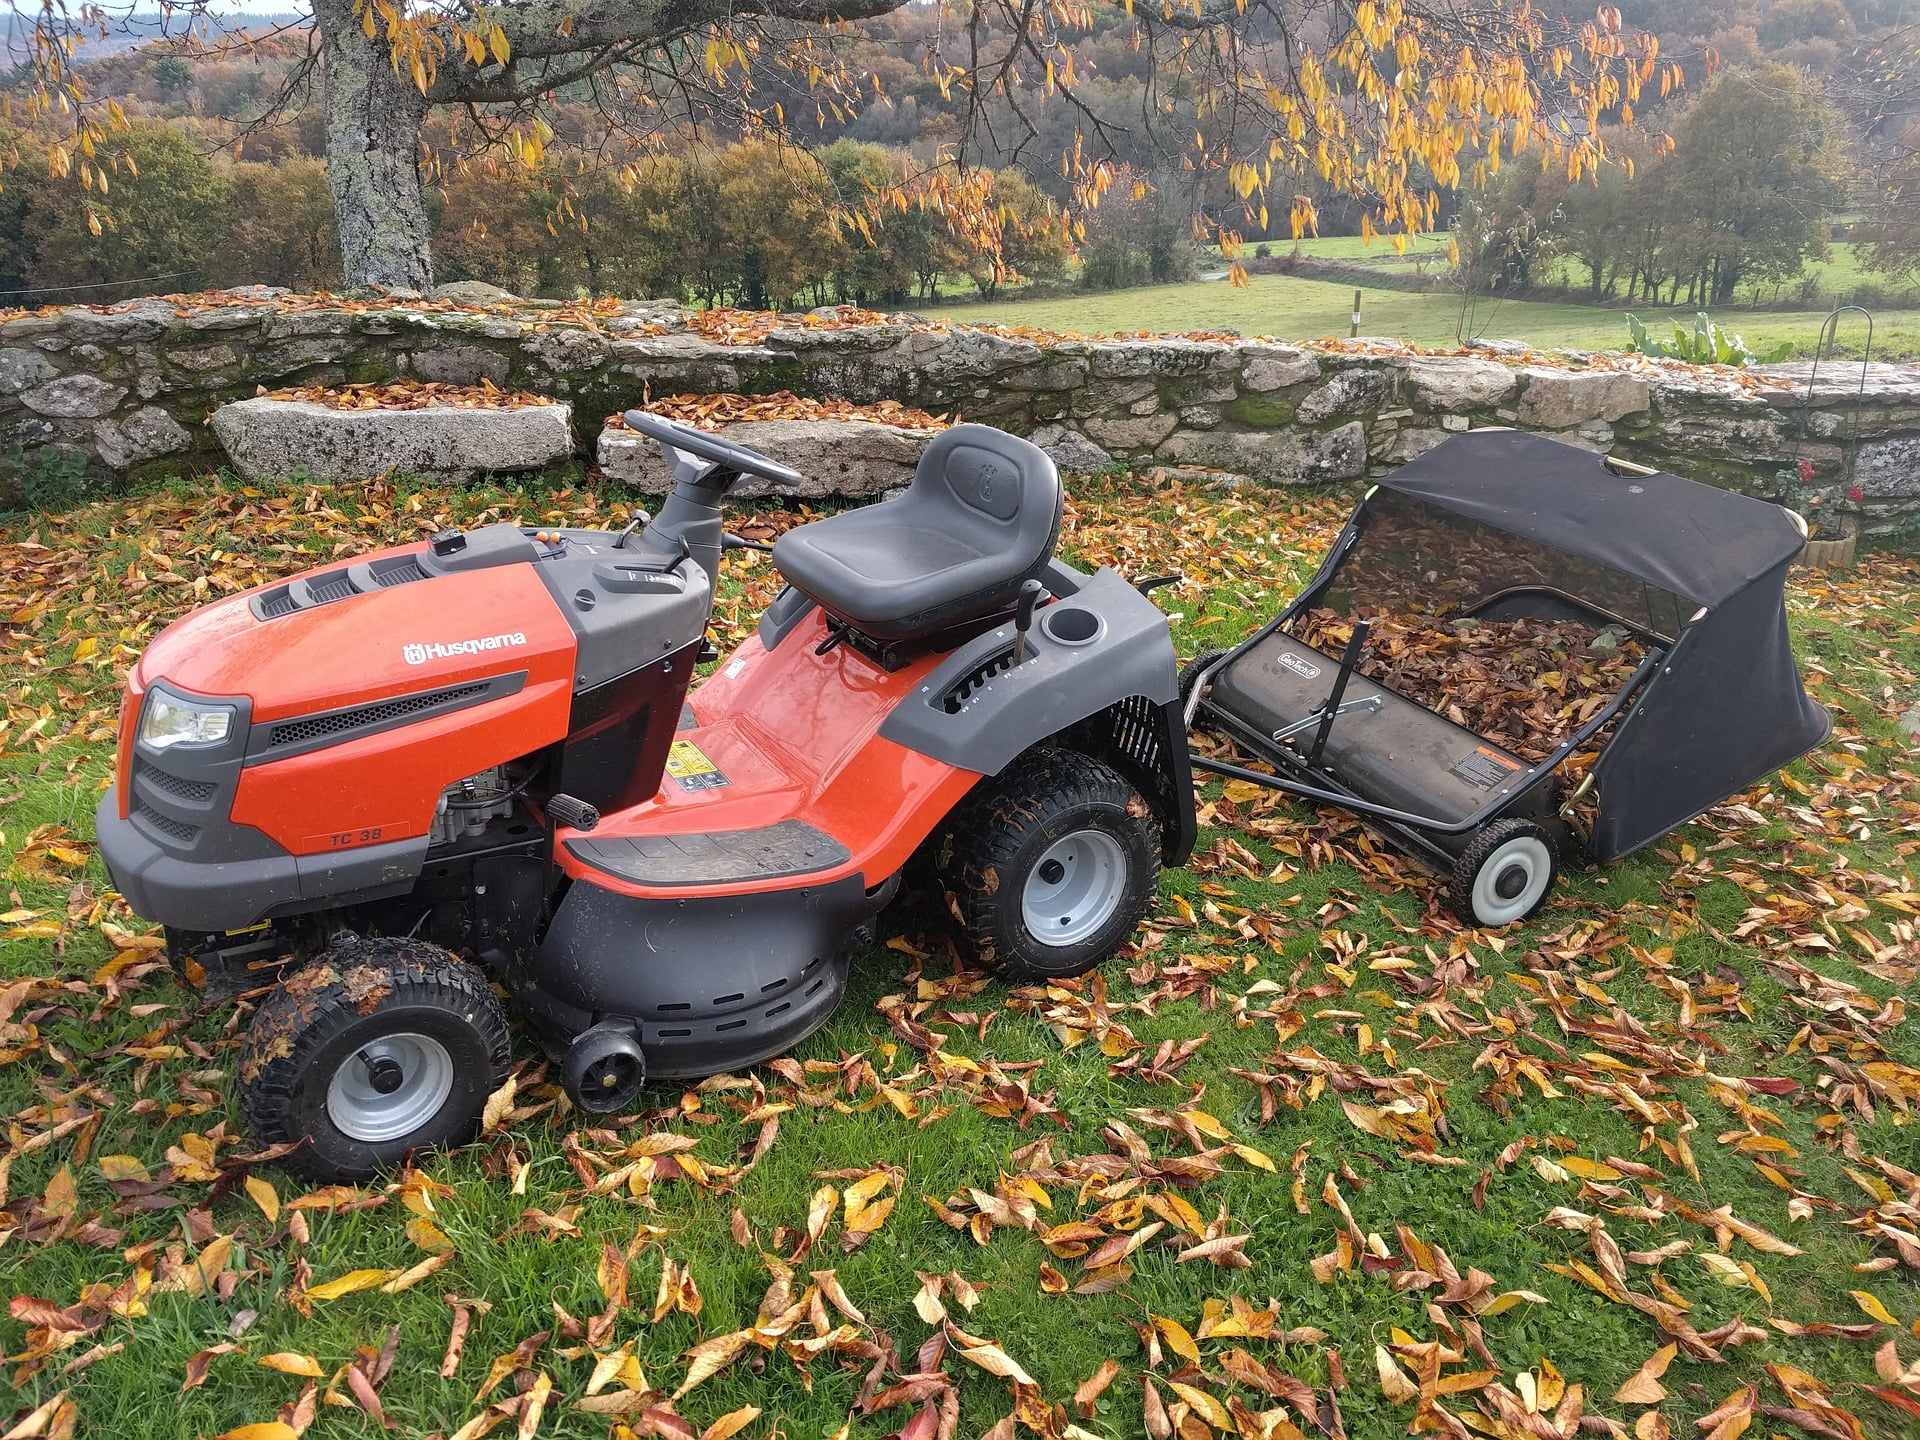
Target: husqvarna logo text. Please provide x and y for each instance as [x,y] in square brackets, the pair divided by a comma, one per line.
[418,654]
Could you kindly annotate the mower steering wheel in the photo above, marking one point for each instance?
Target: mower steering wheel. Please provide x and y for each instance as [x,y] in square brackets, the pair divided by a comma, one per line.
[712,448]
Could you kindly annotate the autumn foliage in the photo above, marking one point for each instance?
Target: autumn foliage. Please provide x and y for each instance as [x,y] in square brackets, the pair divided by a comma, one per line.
[1308,1160]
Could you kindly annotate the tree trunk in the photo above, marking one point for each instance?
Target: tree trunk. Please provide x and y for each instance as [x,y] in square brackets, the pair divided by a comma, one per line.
[373,149]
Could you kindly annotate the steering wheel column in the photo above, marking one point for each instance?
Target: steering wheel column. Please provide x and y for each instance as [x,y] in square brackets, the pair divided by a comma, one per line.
[705,468]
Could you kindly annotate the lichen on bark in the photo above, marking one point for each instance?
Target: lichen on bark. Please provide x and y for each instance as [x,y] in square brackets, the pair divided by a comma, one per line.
[374,116]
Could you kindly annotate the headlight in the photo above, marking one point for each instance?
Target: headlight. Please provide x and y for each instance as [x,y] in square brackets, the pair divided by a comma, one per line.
[168,722]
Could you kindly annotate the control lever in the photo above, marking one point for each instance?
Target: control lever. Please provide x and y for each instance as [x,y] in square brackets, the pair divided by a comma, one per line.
[573,813]
[1147,584]
[1030,593]
[640,517]
[730,541]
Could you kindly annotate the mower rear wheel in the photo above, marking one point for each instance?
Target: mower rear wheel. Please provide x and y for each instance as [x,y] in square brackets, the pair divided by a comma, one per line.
[1504,874]
[376,1049]
[1048,867]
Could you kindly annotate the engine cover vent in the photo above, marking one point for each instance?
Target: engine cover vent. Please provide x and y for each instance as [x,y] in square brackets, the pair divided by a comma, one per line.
[298,734]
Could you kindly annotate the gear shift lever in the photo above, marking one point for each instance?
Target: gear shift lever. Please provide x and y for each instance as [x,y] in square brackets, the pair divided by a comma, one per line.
[1030,593]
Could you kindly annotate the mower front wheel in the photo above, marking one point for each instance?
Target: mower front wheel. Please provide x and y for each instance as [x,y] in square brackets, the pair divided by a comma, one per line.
[1504,873]
[377,1049]
[1048,867]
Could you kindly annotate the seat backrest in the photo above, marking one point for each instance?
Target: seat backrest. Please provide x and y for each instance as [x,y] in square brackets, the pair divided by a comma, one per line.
[999,492]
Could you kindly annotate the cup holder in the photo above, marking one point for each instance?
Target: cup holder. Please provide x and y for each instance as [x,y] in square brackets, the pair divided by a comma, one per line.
[1070,625]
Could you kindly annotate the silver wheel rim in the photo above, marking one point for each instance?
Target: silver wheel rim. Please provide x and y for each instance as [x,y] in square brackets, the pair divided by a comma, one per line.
[1074,888]
[1523,861]
[361,1110]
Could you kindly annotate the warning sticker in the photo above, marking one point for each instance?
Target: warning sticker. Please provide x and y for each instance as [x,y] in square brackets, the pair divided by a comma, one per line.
[1486,768]
[688,764]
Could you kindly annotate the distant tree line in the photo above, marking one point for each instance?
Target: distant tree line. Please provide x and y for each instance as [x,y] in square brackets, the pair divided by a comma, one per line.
[1814,111]
[1744,197]
[755,224]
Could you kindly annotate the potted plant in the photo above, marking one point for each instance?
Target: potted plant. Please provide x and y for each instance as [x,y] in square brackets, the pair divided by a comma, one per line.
[1831,512]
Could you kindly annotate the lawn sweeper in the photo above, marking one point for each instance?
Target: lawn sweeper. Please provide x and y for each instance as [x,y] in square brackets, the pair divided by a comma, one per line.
[484,743]
[1517,650]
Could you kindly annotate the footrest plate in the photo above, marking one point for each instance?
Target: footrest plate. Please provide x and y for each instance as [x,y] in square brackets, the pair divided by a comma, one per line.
[772,852]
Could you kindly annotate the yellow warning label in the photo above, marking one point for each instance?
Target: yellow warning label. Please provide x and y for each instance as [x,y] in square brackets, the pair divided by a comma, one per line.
[686,758]
[688,763]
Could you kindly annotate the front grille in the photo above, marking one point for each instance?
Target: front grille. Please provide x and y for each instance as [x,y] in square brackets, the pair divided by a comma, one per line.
[178,829]
[194,792]
[320,727]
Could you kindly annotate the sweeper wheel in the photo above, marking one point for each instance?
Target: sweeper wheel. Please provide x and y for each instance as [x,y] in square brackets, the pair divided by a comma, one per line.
[1191,671]
[1504,874]
[1048,867]
[377,1048]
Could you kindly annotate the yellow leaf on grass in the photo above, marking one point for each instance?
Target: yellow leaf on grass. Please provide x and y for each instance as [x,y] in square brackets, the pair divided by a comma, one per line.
[1178,1339]
[1643,1387]
[348,1283]
[1871,1304]
[411,1276]
[710,1357]
[265,1196]
[1506,1300]
[1393,1379]
[535,1403]
[499,1106]
[289,1363]
[1589,1169]
[995,1361]
[1204,1405]
[731,1423]
[264,1430]
[427,1235]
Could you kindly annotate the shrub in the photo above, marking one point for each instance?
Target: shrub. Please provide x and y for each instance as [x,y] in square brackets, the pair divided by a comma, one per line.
[1705,344]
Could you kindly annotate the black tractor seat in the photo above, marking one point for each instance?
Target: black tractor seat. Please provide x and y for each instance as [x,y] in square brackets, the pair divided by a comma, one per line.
[981,516]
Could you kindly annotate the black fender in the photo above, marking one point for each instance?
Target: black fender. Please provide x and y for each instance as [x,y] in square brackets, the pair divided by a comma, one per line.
[1099,673]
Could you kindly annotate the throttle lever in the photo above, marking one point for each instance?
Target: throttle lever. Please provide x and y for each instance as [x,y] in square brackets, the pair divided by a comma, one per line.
[640,517]
[1030,593]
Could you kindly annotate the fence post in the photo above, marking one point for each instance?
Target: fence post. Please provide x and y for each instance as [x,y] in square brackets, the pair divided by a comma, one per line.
[1355,332]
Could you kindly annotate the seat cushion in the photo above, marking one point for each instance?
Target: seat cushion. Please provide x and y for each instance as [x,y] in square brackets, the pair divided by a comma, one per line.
[981,516]
[872,572]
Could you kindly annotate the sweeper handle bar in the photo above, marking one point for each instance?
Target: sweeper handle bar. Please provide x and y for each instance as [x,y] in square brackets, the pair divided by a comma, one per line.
[1330,709]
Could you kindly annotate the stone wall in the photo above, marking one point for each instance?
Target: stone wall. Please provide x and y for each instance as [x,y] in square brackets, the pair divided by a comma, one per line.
[131,387]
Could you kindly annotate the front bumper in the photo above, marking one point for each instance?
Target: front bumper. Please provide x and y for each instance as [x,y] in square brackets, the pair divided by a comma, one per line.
[235,891]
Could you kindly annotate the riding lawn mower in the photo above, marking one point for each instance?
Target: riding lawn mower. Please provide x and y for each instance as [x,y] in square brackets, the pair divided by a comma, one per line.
[483,744]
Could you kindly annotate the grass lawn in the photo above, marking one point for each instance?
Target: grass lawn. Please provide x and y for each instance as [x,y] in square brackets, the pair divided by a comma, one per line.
[1291,308]
[1658,1139]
